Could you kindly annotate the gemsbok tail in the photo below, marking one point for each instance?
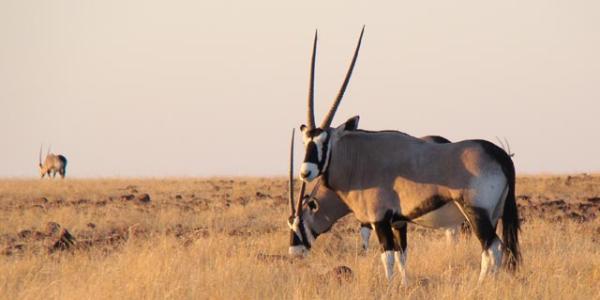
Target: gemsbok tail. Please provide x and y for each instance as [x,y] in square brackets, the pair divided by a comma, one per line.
[510,220]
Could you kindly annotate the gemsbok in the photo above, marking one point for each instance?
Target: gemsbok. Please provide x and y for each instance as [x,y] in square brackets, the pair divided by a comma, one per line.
[54,163]
[389,178]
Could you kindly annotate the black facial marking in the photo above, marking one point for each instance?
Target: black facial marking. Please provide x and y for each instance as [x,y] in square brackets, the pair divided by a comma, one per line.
[366,225]
[296,240]
[312,204]
[430,204]
[312,155]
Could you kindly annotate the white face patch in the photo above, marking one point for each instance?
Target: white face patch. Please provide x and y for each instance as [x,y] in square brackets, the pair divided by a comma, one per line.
[311,169]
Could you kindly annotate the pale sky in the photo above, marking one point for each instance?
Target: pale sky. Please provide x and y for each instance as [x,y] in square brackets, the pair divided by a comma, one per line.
[194,88]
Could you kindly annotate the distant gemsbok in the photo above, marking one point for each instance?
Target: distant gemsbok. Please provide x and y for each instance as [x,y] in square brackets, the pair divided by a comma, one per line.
[389,178]
[54,163]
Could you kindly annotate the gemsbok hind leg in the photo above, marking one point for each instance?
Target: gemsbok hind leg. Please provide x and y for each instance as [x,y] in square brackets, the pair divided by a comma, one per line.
[485,230]
[389,247]
[401,240]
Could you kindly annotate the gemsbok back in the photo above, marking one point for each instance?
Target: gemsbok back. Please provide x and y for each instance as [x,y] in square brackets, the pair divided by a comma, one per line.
[389,178]
[54,163]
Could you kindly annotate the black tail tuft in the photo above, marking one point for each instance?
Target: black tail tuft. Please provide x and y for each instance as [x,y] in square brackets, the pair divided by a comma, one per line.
[510,227]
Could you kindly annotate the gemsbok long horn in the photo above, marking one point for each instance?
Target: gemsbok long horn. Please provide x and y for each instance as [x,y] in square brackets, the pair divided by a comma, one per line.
[298,209]
[291,177]
[311,88]
[300,197]
[329,117]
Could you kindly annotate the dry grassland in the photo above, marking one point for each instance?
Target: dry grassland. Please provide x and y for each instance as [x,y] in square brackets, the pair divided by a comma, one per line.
[227,239]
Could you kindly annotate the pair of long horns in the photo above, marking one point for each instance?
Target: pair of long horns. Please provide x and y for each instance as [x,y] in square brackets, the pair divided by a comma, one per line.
[311,88]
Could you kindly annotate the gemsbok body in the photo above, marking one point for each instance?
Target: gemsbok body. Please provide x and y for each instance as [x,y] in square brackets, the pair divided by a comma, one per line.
[389,179]
[320,196]
[54,163]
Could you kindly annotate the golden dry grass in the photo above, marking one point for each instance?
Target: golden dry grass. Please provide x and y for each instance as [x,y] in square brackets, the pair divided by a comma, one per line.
[219,239]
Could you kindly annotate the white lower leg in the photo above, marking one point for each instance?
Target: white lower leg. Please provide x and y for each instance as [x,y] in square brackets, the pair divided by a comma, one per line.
[365,234]
[387,258]
[485,265]
[491,259]
[401,260]
[495,255]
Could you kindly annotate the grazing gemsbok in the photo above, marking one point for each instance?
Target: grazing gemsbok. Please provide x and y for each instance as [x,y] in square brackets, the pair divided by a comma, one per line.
[52,164]
[389,178]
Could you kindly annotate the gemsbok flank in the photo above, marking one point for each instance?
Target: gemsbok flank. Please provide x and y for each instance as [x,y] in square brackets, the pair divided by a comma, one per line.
[389,179]
[54,163]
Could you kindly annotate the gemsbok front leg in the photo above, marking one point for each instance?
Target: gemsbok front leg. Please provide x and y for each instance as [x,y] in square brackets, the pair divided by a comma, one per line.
[385,236]
[401,240]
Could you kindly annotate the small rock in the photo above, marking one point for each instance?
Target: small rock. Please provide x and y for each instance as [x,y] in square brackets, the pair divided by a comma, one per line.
[41,200]
[127,197]
[594,200]
[341,274]
[52,228]
[64,241]
[143,198]
[25,234]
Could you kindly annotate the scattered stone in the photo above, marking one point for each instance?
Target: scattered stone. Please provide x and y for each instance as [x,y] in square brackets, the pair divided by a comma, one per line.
[64,241]
[91,225]
[23,234]
[178,197]
[272,258]
[558,202]
[594,200]
[423,282]
[13,249]
[127,197]
[341,274]
[143,198]
[576,217]
[260,195]
[52,228]
[41,200]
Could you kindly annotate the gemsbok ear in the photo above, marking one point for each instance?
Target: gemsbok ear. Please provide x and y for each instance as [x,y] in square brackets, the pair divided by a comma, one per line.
[313,205]
[303,128]
[352,123]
